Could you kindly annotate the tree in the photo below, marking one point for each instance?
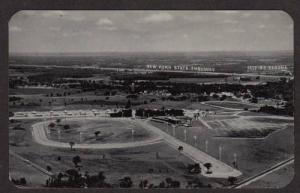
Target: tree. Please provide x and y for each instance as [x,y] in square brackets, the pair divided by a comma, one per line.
[126,182]
[101,176]
[208,166]
[232,180]
[254,100]
[143,184]
[223,97]
[168,181]
[162,185]
[97,133]
[10,114]
[76,160]
[71,143]
[48,168]
[23,181]
[51,125]
[66,127]
[180,148]
[128,104]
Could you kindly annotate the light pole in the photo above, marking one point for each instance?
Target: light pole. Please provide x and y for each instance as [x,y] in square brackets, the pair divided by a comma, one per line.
[235,160]
[174,134]
[80,136]
[195,140]
[206,146]
[65,112]
[50,115]
[58,132]
[220,152]
[47,129]
[132,134]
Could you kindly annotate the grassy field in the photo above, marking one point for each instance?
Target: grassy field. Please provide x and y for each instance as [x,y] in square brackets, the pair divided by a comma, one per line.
[278,179]
[246,127]
[253,155]
[228,104]
[19,169]
[111,131]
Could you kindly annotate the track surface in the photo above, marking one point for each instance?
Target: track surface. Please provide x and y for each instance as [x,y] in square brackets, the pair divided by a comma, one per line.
[40,136]
[220,169]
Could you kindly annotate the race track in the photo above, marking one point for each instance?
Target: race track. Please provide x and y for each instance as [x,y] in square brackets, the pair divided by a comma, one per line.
[220,169]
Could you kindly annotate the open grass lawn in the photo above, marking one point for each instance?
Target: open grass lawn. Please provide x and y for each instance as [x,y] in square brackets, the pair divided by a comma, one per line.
[111,131]
[278,179]
[19,169]
[179,105]
[253,155]
[228,104]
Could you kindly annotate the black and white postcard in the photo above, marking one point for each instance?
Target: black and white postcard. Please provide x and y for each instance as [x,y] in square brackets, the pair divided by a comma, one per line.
[151,99]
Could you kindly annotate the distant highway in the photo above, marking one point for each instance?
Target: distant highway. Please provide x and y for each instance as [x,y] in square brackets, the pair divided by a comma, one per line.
[140,70]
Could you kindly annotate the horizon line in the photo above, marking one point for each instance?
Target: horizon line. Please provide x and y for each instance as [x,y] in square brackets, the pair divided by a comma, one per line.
[211,51]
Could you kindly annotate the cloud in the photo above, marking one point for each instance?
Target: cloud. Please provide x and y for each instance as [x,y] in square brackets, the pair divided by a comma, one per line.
[246,14]
[135,36]
[290,26]
[55,29]
[236,30]
[262,26]
[158,17]
[230,21]
[108,28]
[76,18]
[185,36]
[48,14]
[217,36]
[73,34]
[15,29]
[104,21]
[61,14]
[28,12]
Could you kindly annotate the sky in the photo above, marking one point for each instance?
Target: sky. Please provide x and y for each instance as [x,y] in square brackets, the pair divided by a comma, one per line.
[149,31]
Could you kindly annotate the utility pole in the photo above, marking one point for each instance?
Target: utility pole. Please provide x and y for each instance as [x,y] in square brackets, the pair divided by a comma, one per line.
[235,160]
[174,134]
[58,132]
[195,140]
[220,152]
[206,146]
[132,134]
[80,136]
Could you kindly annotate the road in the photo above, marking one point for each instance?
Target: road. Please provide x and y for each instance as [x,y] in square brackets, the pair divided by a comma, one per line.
[219,168]
[39,168]
[264,173]
[141,70]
